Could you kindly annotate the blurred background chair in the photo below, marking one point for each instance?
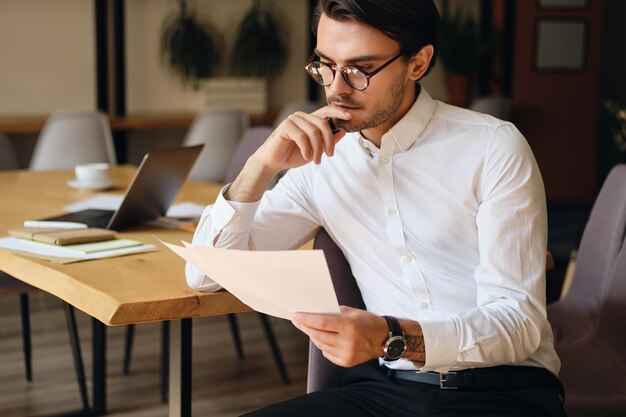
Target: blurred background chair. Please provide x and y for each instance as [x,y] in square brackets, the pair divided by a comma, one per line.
[8,156]
[219,130]
[72,137]
[589,321]
[499,107]
[11,285]
[294,106]
[249,143]
[246,146]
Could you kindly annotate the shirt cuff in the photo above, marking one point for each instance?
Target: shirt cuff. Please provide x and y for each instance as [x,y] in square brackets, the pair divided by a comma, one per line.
[232,216]
[441,343]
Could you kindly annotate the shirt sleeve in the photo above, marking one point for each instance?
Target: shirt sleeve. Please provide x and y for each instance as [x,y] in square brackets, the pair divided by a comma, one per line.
[284,218]
[507,324]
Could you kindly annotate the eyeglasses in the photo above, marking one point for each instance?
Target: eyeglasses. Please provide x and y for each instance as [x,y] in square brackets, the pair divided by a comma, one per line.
[324,74]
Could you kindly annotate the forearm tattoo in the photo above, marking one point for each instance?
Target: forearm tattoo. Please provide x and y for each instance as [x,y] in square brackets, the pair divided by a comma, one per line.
[415,344]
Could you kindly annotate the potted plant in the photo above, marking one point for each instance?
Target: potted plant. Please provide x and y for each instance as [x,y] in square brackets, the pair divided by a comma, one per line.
[190,45]
[259,54]
[459,54]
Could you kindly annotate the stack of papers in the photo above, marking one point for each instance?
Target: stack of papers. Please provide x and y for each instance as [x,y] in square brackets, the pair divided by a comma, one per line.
[79,252]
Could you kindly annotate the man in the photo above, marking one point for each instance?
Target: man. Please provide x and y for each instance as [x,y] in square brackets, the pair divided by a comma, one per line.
[440,212]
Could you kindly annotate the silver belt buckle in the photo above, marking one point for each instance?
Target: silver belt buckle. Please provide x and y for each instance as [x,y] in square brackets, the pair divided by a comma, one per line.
[443,378]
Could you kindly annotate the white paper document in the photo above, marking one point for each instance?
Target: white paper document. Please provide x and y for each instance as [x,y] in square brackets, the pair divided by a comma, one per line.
[278,283]
[42,249]
[99,202]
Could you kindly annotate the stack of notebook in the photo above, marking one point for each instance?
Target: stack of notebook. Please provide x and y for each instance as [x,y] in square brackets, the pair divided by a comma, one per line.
[71,244]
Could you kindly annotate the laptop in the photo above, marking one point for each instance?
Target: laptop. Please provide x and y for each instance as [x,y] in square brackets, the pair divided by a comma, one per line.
[154,187]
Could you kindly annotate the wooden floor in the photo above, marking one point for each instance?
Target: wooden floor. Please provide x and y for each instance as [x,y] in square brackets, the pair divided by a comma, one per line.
[223,385]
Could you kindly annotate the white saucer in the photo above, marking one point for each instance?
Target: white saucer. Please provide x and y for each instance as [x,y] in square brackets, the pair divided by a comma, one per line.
[95,186]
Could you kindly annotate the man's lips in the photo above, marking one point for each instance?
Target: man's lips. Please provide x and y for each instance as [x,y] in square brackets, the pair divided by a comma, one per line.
[345,106]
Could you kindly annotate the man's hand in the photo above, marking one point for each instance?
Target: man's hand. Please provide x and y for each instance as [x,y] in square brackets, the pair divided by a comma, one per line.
[348,339]
[298,140]
[301,138]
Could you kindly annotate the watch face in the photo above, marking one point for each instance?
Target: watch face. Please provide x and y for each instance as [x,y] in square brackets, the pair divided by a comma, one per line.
[395,347]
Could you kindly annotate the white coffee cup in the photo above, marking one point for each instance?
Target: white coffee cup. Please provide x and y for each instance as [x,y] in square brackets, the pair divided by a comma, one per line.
[97,173]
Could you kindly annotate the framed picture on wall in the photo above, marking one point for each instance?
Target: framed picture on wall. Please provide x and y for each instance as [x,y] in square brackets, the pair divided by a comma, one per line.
[560,45]
[562,4]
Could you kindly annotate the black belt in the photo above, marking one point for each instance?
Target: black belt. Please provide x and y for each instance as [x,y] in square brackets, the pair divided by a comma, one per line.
[493,378]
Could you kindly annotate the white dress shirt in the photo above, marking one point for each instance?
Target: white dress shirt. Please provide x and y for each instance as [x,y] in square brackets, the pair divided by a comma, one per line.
[445,224]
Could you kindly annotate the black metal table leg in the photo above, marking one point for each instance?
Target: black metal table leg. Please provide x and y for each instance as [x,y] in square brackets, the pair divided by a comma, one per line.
[99,333]
[180,368]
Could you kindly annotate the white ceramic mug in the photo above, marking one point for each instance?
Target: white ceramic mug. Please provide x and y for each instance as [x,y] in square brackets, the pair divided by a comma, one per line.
[97,173]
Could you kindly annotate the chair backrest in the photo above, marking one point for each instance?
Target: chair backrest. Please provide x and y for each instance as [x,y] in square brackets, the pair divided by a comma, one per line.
[72,137]
[499,107]
[612,320]
[252,139]
[8,156]
[294,106]
[219,130]
[322,373]
[600,244]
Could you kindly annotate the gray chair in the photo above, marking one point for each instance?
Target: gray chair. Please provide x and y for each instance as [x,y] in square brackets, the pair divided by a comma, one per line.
[294,106]
[219,130]
[499,107]
[322,373]
[249,143]
[589,321]
[8,156]
[72,137]
[251,140]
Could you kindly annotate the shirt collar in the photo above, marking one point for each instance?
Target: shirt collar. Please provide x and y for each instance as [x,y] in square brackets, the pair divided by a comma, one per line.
[412,124]
[404,133]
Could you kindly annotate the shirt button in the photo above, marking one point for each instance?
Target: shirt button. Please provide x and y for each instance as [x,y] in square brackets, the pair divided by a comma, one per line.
[237,218]
[423,306]
[407,258]
[386,160]
[392,212]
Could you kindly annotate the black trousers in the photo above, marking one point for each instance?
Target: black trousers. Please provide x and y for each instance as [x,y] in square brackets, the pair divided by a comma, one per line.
[368,391]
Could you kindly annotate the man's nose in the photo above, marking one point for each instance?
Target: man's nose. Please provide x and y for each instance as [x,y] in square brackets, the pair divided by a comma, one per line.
[339,86]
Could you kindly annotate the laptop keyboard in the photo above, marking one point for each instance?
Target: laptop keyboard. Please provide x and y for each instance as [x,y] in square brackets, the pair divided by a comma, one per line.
[90,217]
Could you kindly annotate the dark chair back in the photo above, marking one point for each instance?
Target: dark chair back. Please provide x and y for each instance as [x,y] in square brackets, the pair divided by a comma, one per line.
[323,373]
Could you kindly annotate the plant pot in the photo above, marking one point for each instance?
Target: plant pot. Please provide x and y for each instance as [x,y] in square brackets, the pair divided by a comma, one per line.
[248,93]
[459,88]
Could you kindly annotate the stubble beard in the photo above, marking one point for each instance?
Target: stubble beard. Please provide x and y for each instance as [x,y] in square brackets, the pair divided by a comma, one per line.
[385,108]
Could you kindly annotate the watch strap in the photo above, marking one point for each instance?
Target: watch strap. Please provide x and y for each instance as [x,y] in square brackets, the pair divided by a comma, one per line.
[394,326]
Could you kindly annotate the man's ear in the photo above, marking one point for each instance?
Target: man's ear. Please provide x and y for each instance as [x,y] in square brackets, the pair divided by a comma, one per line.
[418,64]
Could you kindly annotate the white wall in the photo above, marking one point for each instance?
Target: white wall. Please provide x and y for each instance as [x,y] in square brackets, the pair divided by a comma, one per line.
[47,55]
[47,58]
[152,87]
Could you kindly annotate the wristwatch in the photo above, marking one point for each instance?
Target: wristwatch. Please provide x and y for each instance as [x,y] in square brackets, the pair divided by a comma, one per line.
[395,346]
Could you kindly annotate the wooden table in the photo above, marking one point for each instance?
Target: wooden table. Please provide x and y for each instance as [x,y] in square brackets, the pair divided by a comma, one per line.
[138,288]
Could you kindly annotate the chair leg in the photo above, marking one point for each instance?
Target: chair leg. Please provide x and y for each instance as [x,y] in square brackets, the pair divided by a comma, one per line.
[234,330]
[128,348]
[70,319]
[165,361]
[26,345]
[271,339]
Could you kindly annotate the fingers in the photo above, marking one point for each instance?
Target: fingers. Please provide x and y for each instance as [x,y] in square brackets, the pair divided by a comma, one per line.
[312,133]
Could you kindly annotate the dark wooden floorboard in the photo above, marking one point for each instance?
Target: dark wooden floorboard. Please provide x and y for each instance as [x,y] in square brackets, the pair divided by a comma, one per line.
[223,386]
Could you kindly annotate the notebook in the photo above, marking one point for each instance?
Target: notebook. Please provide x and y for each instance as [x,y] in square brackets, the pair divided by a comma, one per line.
[154,187]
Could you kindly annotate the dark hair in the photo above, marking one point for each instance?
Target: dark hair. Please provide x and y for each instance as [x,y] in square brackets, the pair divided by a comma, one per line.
[412,23]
